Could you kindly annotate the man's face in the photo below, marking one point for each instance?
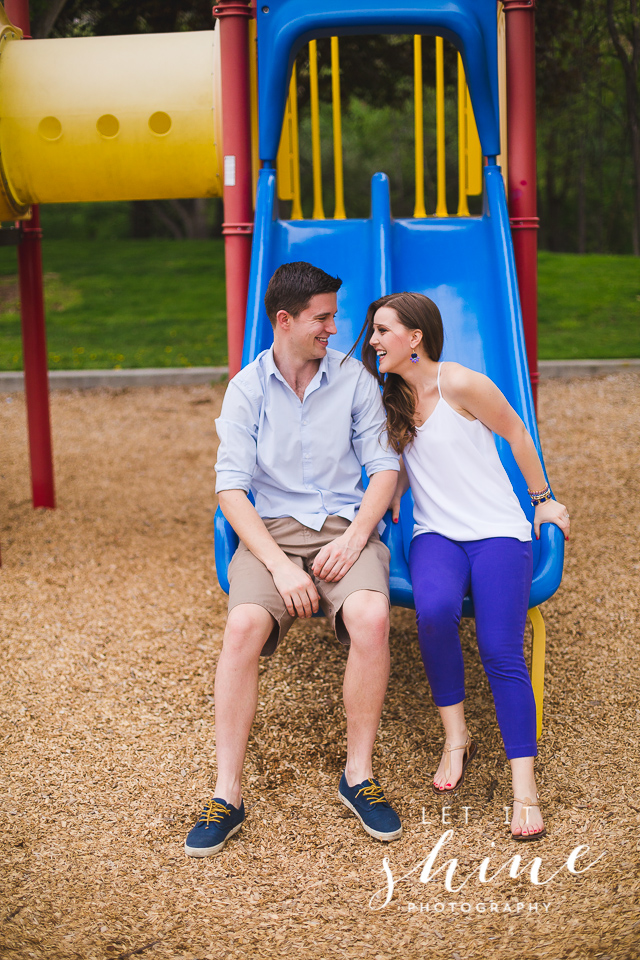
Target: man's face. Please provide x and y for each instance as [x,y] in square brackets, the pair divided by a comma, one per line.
[309,332]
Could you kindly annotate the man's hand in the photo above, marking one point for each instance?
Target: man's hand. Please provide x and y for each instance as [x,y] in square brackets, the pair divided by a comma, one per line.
[296,588]
[337,557]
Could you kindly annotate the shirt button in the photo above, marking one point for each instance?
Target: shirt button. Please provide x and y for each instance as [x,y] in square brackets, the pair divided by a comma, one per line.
[304,423]
[306,456]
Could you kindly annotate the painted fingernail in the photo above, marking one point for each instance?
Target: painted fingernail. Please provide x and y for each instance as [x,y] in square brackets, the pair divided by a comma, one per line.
[395,519]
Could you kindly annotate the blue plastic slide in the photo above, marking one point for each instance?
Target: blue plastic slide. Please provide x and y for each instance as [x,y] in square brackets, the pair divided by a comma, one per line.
[465,265]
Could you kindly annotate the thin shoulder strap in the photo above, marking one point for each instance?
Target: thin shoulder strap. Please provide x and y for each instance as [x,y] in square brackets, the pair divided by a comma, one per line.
[439,369]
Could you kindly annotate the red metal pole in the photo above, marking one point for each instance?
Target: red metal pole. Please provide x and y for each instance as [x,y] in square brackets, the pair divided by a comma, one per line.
[521,123]
[34,348]
[34,343]
[233,16]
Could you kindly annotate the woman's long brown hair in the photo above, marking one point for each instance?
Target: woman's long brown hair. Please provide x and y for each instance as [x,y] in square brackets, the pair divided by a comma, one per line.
[415,312]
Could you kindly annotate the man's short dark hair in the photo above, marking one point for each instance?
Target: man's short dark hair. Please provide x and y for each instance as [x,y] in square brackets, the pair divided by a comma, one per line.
[293,285]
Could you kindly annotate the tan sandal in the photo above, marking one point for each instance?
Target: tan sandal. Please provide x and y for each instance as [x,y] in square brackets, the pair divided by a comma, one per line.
[526,803]
[471,749]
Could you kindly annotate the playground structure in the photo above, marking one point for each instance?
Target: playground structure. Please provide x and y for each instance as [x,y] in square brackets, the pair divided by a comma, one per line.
[467,264]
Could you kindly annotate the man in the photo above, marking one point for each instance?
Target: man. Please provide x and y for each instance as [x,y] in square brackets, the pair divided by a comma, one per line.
[297,426]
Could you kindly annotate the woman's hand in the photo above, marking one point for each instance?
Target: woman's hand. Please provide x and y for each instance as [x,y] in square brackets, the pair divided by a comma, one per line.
[551,512]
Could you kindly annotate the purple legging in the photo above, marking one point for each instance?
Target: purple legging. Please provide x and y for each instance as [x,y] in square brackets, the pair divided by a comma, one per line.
[497,572]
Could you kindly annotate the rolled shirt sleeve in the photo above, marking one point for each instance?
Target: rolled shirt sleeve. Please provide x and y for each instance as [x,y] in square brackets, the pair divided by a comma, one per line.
[237,428]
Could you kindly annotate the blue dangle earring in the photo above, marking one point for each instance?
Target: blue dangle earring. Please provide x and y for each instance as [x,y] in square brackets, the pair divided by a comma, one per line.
[414,357]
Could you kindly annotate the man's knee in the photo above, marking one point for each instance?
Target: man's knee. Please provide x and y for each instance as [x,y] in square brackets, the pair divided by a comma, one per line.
[249,626]
[366,616]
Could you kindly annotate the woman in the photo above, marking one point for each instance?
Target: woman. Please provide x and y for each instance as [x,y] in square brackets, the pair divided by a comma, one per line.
[470,533]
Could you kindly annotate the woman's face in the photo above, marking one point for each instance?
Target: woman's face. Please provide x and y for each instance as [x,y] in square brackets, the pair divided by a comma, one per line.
[392,341]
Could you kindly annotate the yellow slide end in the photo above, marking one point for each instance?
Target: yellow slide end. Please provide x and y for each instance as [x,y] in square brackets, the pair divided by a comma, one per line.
[538,644]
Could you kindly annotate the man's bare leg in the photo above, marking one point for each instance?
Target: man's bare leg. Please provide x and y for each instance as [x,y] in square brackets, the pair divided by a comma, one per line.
[236,693]
[366,617]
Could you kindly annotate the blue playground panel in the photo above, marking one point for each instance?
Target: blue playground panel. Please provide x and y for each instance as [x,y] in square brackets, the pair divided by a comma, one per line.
[465,265]
[284,26]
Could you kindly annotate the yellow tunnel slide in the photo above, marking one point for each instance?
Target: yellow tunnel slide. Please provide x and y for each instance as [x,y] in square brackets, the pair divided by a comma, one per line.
[109,118]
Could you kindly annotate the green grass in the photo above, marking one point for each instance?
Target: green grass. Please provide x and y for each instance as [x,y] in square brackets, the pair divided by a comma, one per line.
[588,306]
[125,303]
[160,303]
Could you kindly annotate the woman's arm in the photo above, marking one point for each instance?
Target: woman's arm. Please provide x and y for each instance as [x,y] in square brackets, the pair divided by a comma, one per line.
[402,486]
[473,393]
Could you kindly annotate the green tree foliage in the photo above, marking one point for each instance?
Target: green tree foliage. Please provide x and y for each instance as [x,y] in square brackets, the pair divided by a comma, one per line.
[586,169]
[588,102]
[114,17]
[377,121]
[623,20]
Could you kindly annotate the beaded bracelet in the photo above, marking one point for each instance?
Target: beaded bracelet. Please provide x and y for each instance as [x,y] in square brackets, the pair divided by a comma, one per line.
[541,496]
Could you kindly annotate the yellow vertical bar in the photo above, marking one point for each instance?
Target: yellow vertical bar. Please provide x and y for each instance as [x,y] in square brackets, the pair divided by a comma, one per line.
[288,159]
[538,643]
[419,209]
[253,101]
[441,204]
[502,88]
[473,167]
[318,211]
[463,209]
[296,209]
[284,165]
[339,212]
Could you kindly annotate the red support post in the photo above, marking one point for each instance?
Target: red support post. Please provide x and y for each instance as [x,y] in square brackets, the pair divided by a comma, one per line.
[237,229]
[34,343]
[34,349]
[521,124]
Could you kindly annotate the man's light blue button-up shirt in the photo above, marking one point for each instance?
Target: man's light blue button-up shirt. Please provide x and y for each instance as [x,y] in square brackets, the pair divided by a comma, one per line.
[302,459]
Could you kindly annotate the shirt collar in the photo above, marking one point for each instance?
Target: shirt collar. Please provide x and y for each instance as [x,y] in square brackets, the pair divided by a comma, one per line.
[271,368]
[324,368]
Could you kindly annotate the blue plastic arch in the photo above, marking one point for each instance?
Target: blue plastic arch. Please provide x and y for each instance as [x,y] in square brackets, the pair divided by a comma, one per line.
[285,25]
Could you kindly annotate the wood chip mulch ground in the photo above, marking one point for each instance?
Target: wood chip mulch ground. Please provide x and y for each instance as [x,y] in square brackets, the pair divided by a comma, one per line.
[111,622]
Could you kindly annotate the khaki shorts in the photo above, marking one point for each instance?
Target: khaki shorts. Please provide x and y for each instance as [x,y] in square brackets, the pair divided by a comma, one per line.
[251,582]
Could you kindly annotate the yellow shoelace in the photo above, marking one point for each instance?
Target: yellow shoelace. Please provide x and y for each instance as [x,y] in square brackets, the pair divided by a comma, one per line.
[374,793]
[213,813]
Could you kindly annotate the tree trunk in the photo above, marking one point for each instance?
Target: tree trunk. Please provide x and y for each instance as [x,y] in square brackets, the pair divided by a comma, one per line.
[192,216]
[139,219]
[582,198]
[600,166]
[47,21]
[552,207]
[629,63]
[583,140]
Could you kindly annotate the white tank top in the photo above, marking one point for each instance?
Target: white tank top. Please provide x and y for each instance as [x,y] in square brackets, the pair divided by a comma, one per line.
[460,488]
